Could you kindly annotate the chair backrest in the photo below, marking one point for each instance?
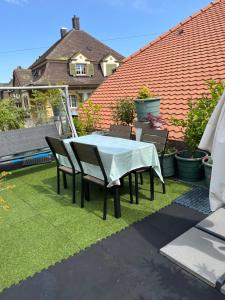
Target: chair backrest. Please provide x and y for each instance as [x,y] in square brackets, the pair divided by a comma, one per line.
[157,137]
[121,131]
[143,125]
[88,154]
[57,147]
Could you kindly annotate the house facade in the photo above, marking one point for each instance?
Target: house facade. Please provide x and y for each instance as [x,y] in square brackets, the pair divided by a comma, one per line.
[76,59]
[175,67]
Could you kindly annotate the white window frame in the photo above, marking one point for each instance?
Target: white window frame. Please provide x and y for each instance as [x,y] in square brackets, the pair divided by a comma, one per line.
[71,101]
[81,69]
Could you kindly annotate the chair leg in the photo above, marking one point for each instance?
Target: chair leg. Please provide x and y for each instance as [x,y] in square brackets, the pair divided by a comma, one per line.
[141,179]
[122,182]
[74,188]
[163,184]
[64,181]
[136,186]
[105,203]
[152,192]
[58,181]
[87,191]
[82,192]
[117,209]
[130,187]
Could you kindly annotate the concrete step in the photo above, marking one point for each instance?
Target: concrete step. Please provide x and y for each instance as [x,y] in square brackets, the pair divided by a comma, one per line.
[200,253]
[214,224]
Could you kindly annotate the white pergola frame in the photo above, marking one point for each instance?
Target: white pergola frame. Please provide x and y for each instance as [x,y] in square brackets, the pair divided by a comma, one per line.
[65,92]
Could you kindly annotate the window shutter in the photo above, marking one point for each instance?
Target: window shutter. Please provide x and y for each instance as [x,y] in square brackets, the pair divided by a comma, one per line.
[110,68]
[90,69]
[72,69]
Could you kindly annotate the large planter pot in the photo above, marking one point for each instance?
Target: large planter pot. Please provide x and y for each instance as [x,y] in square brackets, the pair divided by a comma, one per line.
[56,111]
[207,163]
[145,106]
[169,164]
[190,168]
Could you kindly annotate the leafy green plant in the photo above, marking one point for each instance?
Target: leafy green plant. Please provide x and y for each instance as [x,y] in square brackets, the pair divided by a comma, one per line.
[170,150]
[199,112]
[39,102]
[124,111]
[144,92]
[80,126]
[11,116]
[90,114]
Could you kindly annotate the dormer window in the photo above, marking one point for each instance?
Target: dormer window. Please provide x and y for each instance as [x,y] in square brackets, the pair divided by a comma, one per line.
[81,69]
[109,65]
[80,65]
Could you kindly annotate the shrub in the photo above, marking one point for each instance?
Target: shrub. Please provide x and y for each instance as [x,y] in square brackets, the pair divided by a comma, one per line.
[80,126]
[11,117]
[90,114]
[144,92]
[124,111]
[39,102]
[199,112]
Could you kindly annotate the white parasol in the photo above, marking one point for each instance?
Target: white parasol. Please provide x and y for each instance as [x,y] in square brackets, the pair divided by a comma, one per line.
[213,140]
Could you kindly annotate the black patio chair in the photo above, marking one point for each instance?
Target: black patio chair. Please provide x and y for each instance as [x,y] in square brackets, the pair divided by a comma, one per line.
[120,131]
[85,153]
[58,148]
[159,139]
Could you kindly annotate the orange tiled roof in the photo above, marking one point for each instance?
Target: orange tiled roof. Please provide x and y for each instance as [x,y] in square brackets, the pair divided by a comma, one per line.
[175,66]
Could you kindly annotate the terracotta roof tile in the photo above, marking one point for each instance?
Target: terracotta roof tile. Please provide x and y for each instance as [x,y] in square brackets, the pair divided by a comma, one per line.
[175,66]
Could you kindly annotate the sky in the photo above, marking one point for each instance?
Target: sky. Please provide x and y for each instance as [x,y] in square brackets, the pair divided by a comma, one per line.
[29,27]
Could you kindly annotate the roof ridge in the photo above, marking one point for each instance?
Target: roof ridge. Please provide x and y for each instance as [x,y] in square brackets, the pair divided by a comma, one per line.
[194,15]
[50,49]
[99,41]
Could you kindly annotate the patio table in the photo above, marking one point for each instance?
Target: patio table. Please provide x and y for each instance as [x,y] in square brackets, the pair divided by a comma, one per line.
[119,156]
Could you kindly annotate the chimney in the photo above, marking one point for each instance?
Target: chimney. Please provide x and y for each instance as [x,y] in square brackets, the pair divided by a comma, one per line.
[63,32]
[76,23]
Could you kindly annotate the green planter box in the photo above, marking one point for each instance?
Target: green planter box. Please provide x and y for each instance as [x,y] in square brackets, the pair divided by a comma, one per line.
[207,163]
[145,106]
[190,169]
[169,164]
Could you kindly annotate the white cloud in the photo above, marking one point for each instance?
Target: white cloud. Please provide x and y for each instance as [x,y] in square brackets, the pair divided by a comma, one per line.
[17,2]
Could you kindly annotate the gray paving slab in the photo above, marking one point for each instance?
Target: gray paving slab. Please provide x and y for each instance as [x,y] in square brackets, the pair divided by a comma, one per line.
[198,252]
[223,289]
[214,224]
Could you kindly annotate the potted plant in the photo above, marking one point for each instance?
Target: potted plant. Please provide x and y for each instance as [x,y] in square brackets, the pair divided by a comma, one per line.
[169,162]
[207,163]
[146,103]
[89,117]
[124,111]
[189,162]
[155,122]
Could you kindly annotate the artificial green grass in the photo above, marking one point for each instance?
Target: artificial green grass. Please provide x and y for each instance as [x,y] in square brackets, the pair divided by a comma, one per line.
[41,228]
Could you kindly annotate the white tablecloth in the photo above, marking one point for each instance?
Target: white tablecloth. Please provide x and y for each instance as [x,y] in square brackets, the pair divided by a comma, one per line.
[119,156]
